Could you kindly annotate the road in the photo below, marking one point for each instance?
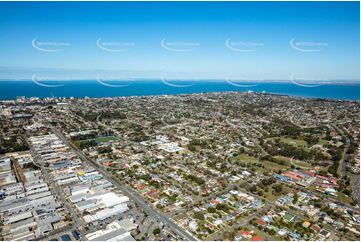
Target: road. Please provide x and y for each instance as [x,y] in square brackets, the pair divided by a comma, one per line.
[355,181]
[342,168]
[57,191]
[342,163]
[184,235]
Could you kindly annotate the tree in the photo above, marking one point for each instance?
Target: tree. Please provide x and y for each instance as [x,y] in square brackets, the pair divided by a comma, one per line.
[295,198]
[253,189]
[156,231]
[211,210]
[222,206]
[278,188]
[198,215]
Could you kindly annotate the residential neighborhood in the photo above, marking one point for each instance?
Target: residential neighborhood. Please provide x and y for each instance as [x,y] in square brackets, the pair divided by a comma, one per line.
[154,168]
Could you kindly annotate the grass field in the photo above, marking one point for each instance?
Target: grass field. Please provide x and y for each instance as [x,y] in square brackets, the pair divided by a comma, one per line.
[295,142]
[97,140]
[105,139]
[343,198]
[78,142]
[245,157]
[322,142]
[294,162]
[274,166]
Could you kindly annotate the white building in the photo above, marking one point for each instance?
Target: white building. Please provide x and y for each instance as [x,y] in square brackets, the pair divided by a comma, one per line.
[113,232]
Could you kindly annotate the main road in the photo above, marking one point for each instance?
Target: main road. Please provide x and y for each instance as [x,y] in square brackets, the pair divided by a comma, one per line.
[184,235]
[342,168]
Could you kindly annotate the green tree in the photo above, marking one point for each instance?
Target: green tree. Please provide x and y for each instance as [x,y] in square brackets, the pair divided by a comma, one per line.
[156,231]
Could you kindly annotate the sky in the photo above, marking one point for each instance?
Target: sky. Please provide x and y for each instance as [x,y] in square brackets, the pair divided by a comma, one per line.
[180,40]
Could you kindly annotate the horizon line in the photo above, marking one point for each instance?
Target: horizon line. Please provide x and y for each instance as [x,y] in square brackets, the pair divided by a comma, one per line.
[346,80]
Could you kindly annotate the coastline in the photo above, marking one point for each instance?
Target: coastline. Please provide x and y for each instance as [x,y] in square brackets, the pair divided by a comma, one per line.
[94,89]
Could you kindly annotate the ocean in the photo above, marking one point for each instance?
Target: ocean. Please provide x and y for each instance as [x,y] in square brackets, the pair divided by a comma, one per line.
[93,88]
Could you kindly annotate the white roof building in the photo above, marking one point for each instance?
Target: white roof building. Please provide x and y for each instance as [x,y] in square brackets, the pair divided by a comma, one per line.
[106,213]
[113,232]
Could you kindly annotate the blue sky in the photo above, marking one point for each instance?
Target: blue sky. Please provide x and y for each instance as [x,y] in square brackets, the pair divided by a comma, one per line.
[244,40]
